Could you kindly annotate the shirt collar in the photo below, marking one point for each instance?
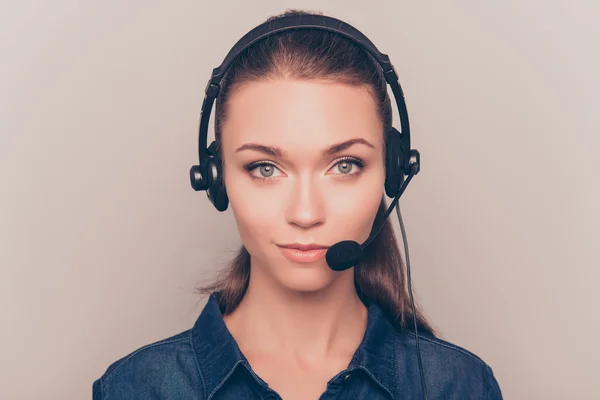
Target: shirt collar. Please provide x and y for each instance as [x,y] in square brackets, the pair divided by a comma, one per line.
[218,355]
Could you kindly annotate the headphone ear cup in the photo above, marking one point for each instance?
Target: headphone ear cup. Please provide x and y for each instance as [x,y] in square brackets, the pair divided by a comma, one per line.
[216,188]
[394,162]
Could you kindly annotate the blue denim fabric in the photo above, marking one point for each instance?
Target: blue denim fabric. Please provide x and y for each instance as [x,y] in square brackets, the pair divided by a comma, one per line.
[206,363]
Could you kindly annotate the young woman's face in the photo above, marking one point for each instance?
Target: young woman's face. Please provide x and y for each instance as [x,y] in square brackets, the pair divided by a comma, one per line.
[304,194]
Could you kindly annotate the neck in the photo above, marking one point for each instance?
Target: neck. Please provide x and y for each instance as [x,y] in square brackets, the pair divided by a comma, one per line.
[277,322]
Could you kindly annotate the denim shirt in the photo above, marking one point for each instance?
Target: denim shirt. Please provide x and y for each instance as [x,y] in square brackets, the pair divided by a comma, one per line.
[206,363]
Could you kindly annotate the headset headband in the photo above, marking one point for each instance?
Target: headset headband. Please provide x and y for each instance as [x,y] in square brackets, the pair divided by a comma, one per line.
[293,23]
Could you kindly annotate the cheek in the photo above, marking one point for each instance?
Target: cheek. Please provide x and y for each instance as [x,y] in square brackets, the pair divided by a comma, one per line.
[354,213]
[256,211]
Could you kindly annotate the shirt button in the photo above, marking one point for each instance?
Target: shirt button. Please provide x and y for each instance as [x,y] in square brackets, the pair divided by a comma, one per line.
[347,376]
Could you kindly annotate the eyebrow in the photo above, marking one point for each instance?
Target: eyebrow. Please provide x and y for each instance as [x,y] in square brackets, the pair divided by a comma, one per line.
[277,152]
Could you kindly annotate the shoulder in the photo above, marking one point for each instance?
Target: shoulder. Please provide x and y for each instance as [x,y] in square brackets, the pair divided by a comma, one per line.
[160,369]
[450,369]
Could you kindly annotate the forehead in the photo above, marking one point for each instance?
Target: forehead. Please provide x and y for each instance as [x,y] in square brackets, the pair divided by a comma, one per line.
[292,113]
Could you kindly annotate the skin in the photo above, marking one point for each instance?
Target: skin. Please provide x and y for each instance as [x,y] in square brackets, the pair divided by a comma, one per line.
[299,324]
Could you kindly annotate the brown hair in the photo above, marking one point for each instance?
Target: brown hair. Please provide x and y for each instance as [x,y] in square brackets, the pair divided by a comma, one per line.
[320,55]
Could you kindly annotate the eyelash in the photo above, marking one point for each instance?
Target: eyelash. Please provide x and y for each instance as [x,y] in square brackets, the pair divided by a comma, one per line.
[353,160]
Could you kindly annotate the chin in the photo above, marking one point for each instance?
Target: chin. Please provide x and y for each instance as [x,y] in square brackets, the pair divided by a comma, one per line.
[306,277]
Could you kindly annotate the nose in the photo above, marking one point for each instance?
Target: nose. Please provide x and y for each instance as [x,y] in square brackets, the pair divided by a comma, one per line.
[305,208]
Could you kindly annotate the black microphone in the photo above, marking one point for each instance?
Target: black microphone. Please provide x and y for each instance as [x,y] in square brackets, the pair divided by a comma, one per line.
[347,253]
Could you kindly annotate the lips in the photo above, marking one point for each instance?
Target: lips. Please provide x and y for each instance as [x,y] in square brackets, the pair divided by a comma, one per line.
[303,253]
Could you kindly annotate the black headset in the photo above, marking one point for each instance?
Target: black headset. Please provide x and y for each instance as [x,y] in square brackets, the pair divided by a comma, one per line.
[400,159]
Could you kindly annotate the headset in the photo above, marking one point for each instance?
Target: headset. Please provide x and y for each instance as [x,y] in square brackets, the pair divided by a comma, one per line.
[401,162]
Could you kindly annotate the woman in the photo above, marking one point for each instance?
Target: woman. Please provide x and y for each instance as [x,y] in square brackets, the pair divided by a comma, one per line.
[300,148]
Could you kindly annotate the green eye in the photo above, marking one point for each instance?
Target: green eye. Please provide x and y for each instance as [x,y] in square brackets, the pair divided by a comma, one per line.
[345,164]
[345,167]
[266,170]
